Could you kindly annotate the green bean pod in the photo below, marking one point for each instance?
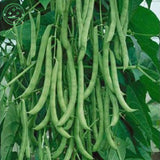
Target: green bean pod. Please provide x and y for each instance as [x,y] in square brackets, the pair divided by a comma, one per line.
[19,49]
[111,142]
[59,79]
[85,9]
[38,23]
[122,38]
[116,85]
[40,58]
[92,82]
[59,6]
[80,101]
[24,130]
[47,81]
[105,60]
[32,51]
[44,122]
[112,26]
[78,140]
[72,71]
[101,114]
[85,31]
[124,13]
[60,148]
[69,150]
[115,109]
[54,117]
[94,115]
[79,19]
[48,152]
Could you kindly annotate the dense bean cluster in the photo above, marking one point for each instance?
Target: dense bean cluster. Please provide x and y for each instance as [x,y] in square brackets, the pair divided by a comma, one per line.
[78,106]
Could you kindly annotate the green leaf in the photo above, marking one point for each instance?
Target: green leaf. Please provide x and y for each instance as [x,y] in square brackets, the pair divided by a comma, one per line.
[154,109]
[150,48]
[149,2]
[44,3]
[156,137]
[120,153]
[130,145]
[146,155]
[134,159]
[139,24]
[10,127]
[139,117]
[120,130]
[152,88]
[144,61]
[133,4]
[3,110]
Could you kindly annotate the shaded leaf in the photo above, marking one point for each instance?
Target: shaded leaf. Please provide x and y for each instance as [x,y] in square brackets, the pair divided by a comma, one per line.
[139,117]
[44,3]
[152,88]
[149,2]
[10,127]
[156,137]
[120,153]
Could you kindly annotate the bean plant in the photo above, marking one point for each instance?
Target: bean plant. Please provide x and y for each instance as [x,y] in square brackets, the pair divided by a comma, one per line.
[73,85]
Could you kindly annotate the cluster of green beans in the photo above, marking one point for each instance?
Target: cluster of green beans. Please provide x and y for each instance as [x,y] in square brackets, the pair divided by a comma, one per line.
[80,110]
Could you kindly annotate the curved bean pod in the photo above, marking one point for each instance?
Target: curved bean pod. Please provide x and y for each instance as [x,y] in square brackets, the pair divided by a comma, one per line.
[37,70]
[85,31]
[94,114]
[32,51]
[122,38]
[92,82]
[54,117]
[24,131]
[111,142]
[116,85]
[44,122]
[80,101]
[72,71]
[101,114]
[69,150]
[106,72]
[59,79]
[60,148]
[115,109]
[79,142]
[47,81]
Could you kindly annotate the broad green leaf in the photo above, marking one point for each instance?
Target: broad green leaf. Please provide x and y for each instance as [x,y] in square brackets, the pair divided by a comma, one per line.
[130,145]
[44,3]
[139,117]
[139,24]
[120,130]
[144,61]
[146,155]
[152,88]
[120,153]
[133,5]
[10,127]
[150,48]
